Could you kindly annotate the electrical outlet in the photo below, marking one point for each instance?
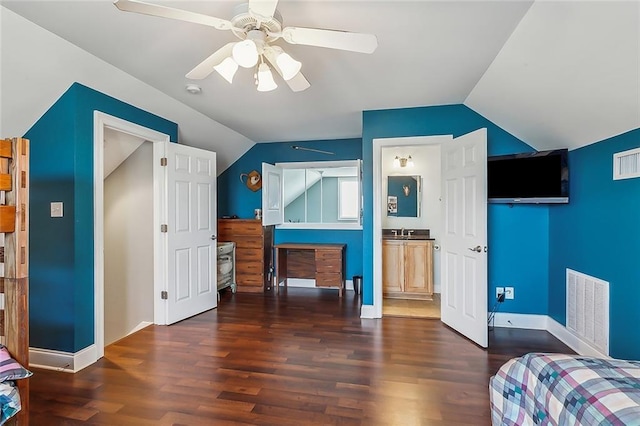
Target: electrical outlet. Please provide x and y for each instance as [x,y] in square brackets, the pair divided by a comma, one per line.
[509,293]
[499,291]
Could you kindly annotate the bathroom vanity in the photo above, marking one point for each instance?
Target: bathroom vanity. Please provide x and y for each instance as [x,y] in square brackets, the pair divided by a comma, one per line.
[407,264]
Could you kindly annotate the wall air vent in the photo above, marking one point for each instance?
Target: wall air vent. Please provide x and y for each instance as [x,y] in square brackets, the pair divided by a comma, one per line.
[626,164]
[588,310]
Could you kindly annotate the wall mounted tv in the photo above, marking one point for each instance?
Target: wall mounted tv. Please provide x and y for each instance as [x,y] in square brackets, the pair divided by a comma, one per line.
[533,178]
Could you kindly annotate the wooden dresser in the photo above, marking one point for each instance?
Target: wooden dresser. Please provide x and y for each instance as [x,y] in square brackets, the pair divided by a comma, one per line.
[324,263]
[254,252]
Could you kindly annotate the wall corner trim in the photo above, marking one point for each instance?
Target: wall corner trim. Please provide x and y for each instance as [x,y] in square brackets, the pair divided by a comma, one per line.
[62,361]
[544,322]
[368,312]
[573,341]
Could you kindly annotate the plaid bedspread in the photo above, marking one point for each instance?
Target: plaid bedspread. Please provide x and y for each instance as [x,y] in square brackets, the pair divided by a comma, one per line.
[555,389]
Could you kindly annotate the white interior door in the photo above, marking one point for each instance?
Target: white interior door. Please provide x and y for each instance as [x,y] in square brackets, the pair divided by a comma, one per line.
[464,241]
[272,195]
[191,231]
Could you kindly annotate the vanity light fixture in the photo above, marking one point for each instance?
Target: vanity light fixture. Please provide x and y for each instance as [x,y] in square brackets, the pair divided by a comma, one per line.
[403,162]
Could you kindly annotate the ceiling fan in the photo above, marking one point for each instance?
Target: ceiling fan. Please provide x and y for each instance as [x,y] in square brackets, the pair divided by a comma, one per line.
[257,24]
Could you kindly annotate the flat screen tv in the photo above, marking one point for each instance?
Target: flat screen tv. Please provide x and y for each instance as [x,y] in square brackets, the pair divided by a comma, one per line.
[533,178]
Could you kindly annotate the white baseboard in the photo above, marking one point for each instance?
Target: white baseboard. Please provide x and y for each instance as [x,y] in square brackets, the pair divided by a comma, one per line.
[62,361]
[302,282]
[571,340]
[533,322]
[140,326]
[368,312]
[544,322]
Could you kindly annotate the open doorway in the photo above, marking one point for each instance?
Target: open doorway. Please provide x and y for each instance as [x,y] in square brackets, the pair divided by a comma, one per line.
[182,219]
[128,234]
[464,210]
[411,185]
[124,177]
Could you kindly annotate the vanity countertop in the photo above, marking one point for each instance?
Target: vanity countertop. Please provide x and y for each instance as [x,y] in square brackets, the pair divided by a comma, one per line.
[407,237]
[403,234]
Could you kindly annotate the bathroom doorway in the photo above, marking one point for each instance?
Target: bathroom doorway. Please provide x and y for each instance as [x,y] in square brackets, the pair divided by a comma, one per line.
[417,209]
[464,218]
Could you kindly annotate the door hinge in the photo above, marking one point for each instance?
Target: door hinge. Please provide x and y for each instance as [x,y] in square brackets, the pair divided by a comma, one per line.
[164,228]
[164,295]
[163,161]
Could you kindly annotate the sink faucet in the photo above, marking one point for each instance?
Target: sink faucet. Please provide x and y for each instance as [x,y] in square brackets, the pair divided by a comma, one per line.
[402,232]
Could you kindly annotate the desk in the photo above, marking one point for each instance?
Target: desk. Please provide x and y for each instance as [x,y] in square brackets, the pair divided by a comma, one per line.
[325,263]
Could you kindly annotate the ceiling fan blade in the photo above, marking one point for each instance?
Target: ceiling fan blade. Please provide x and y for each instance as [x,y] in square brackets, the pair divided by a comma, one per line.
[263,9]
[204,68]
[298,83]
[171,13]
[332,39]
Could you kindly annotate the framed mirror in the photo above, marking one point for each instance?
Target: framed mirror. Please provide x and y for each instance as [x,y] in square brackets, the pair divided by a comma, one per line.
[403,196]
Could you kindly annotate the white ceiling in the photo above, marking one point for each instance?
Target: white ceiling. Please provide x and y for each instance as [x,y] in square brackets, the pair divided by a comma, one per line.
[554,74]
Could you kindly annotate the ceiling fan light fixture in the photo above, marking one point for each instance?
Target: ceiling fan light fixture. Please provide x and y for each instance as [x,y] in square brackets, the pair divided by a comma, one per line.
[245,53]
[289,66]
[265,79]
[227,69]
[257,23]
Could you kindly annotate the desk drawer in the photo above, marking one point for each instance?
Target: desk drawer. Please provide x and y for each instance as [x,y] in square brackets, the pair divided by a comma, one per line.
[324,279]
[334,266]
[328,255]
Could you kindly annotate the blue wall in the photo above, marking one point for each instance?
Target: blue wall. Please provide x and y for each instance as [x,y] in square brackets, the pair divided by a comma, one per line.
[61,297]
[518,236]
[597,233]
[234,198]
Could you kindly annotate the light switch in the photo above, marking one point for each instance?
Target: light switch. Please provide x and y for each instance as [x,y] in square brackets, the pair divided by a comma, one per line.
[56,209]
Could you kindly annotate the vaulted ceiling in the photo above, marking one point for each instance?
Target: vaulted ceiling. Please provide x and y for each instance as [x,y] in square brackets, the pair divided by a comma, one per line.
[553,73]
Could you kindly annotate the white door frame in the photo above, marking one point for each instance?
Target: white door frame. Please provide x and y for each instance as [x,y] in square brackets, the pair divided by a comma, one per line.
[100,122]
[377,211]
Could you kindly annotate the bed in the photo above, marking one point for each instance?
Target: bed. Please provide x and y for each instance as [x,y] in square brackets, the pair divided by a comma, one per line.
[559,389]
[14,281]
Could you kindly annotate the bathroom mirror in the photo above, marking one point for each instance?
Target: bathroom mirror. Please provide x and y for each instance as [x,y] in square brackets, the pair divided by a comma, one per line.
[403,196]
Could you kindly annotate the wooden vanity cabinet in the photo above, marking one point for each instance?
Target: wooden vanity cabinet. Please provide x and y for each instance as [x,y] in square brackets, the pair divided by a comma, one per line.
[254,252]
[407,269]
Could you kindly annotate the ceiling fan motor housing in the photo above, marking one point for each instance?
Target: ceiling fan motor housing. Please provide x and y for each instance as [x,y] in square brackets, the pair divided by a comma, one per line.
[244,22]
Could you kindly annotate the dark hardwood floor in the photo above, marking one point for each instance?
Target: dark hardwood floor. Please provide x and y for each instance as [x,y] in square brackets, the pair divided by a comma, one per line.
[303,357]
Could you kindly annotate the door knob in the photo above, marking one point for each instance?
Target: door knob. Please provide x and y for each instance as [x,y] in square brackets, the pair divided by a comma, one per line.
[476,248]
[214,237]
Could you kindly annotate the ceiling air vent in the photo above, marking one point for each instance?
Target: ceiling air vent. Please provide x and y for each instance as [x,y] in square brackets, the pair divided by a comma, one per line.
[626,164]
